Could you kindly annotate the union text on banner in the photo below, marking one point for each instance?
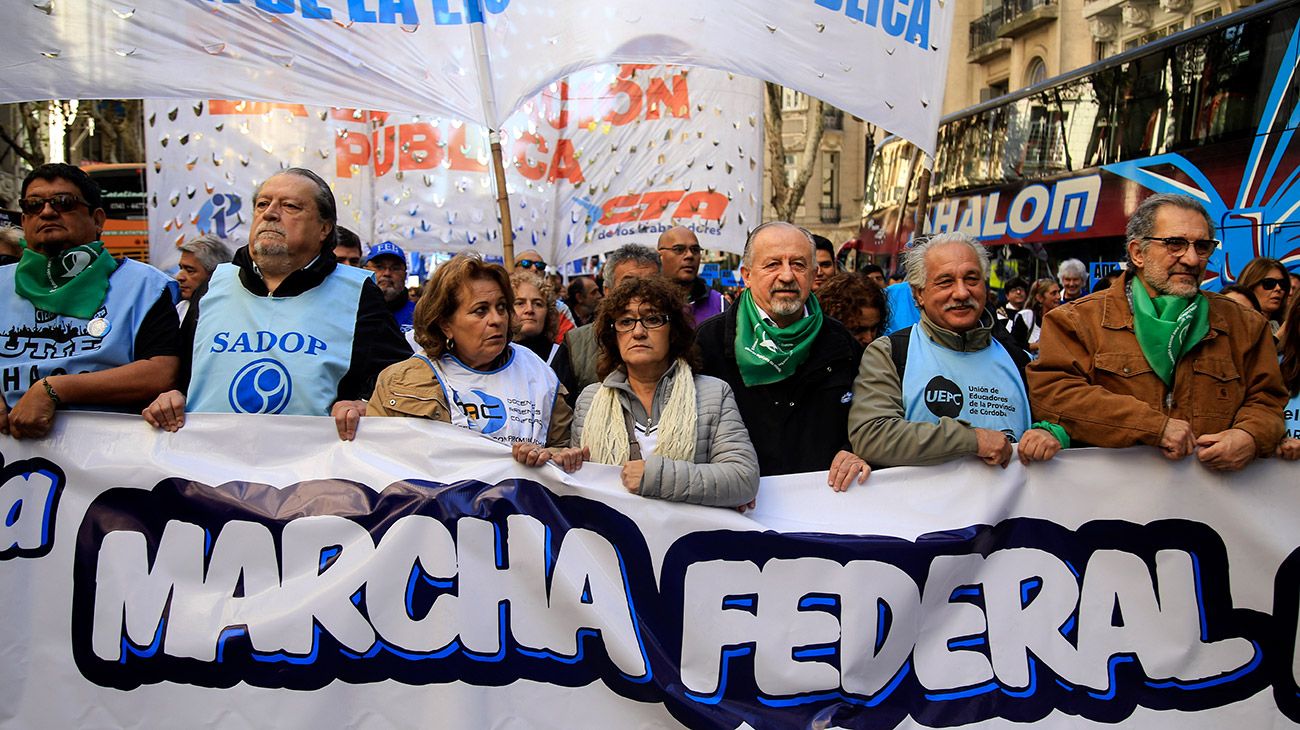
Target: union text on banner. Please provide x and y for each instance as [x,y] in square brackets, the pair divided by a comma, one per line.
[608,156]
[419,576]
[883,61]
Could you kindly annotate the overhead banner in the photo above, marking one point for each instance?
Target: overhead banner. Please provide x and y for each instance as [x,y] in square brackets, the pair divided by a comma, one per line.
[419,576]
[608,156]
[477,60]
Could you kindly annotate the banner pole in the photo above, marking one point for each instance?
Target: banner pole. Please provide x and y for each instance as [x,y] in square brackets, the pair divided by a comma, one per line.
[488,99]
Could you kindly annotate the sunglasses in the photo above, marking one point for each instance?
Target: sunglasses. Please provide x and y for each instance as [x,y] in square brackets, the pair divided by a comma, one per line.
[1272,282]
[681,249]
[530,264]
[61,203]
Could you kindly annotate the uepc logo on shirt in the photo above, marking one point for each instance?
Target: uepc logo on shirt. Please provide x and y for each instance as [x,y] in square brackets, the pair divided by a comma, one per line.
[943,397]
[261,386]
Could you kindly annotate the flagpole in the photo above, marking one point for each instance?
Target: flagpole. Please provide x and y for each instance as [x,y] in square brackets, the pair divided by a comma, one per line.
[478,36]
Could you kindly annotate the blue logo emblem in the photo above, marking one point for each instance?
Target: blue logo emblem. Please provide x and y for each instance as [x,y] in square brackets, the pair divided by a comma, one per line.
[490,411]
[220,215]
[261,386]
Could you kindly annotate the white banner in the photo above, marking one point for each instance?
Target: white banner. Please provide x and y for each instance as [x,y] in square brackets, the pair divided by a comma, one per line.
[418,576]
[612,155]
[883,61]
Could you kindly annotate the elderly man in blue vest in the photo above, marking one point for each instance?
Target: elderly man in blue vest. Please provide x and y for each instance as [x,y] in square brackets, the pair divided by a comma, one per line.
[948,386]
[285,328]
[79,329]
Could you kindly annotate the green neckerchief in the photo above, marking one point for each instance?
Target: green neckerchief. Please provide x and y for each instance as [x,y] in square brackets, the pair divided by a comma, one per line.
[766,353]
[73,283]
[1167,327]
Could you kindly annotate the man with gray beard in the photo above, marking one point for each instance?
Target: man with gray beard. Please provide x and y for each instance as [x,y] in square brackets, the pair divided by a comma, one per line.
[284,328]
[791,368]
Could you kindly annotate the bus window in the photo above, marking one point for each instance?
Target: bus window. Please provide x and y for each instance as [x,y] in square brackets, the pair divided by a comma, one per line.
[126,232]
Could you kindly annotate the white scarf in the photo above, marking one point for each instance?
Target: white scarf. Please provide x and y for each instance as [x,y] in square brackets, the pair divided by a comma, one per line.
[605,430]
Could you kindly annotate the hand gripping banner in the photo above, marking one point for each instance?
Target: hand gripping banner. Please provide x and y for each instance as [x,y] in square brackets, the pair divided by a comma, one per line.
[418,576]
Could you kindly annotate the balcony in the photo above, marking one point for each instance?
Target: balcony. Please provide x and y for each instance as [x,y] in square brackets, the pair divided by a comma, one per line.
[984,41]
[991,33]
[1023,16]
[830,214]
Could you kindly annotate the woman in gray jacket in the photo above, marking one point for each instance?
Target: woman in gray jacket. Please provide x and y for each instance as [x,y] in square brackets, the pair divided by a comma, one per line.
[677,435]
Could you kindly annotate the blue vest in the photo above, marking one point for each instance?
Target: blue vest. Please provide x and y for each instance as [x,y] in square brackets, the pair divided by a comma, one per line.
[981,388]
[405,317]
[1293,418]
[35,343]
[273,354]
[510,404]
[900,308]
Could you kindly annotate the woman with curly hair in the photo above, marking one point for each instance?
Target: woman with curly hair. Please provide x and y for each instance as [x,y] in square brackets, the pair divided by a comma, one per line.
[677,435]
[857,302]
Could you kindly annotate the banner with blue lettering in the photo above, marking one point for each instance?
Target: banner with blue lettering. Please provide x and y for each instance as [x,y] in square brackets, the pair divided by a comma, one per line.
[608,156]
[883,61]
[418,576]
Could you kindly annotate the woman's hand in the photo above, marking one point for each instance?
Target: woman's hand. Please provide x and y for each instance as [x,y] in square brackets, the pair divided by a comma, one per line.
[531,454]
[1289,449]
[167,411]
[347,416]
[632,473]
[571,459]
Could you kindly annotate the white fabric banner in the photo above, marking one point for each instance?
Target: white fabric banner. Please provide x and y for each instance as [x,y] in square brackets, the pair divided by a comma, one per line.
[884,61]
[608,156]
[418,576]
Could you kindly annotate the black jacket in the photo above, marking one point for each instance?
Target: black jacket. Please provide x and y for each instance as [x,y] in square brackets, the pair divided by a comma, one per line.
[798,424]
[376,343]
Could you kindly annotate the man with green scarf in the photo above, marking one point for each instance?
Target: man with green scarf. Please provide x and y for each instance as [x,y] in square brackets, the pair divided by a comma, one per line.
[1156,360]
[79,329]
[791,368]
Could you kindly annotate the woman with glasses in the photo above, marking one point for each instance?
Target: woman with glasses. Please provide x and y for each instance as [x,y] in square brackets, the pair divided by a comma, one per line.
[1269,281]
[677,435]
[470,374]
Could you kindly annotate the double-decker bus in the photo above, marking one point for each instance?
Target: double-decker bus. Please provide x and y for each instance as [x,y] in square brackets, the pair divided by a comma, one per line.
[126,232]
[1055,170]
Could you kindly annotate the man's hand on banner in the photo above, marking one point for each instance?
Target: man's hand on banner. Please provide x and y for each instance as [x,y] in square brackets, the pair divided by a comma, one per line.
[992,447]
[1177,440]
[33,416]
[1289,449]
[844,467]
[1037,445]
[167,411]
[632,473]
[347,417]
[531,454]
[1226,450]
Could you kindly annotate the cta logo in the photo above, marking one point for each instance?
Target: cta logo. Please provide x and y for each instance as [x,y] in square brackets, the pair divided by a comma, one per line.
[486,412]
[219,216]
[261,386]
[943,397]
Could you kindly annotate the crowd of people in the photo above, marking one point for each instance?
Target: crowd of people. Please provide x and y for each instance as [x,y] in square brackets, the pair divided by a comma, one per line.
[648,368]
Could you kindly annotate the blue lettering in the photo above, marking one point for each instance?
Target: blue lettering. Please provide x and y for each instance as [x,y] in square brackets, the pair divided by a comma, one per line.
[473,11]
[893,23]
[359,13]
[918,24]
[390,9]
[265,340]
[275,6]
[830,4]
[496,6]
[442,14]
[315,346]
[242,343]
[221,342]
[297,344]
[311,10]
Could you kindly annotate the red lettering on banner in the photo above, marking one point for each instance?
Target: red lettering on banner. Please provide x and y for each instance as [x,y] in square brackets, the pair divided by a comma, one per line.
[625,87]
[350,148]
[656,203]
[614,215]
[418,147]
[532,172]
[677,101]
[457,152]
[706,205]
[565,163]
[227,106]
[384,161]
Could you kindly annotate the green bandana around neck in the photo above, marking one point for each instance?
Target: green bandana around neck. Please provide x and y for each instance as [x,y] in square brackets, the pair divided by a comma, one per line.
[1167,327]
[73,284]
[766,353]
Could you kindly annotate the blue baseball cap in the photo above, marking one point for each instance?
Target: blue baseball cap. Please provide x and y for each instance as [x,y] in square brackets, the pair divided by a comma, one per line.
[387,248]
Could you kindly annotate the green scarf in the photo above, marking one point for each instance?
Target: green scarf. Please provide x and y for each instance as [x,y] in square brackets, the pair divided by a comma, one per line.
[73,283]
[766,353]
[1167,327]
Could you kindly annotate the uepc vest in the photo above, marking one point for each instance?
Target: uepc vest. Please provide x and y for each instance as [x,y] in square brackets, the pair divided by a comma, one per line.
[35,343]
[982,388]
[510,404]
[273,354]
[1293,418]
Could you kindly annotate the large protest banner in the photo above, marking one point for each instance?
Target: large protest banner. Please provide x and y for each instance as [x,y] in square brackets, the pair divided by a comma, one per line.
[883,61]
[419,577]
[608,156]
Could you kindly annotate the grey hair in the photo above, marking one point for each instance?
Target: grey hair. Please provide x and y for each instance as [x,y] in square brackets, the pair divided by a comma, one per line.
[1143,221]
[1071,267]
[209,250]
[326,208]
[628,253]
[914,260]
[747,258]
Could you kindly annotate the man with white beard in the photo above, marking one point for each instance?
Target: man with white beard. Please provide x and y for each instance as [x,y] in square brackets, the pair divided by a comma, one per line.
[284,328]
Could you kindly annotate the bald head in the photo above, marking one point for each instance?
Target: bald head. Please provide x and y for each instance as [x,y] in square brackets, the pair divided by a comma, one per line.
[679,250]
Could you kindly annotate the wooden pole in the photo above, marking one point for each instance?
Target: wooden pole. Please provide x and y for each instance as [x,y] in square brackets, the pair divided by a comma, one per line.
[503,201]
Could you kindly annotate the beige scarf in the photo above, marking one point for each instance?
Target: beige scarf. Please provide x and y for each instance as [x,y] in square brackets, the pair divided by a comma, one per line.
[605,430]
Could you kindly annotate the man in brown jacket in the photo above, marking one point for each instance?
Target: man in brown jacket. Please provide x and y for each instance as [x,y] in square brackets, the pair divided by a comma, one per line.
[1154,360]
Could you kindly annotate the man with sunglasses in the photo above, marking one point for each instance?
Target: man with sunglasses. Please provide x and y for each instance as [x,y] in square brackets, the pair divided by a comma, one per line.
[1154,360]
[80,330]
[680,251]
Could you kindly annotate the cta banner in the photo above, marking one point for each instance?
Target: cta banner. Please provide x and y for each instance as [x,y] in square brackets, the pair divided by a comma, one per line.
[608,156]
[419,576]
[477,60]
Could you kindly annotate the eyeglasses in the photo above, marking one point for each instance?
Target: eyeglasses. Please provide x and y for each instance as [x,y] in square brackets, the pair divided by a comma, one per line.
[1177,245]
[61,203]
[650,322]
[1272,282]
[530,264]
[681,249]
